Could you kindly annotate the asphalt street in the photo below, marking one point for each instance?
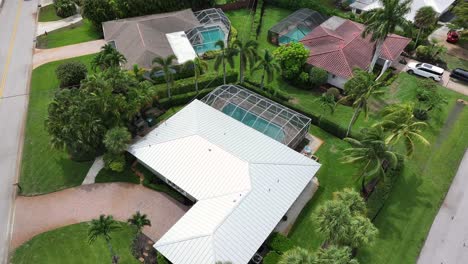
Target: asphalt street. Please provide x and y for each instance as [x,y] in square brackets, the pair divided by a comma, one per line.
[17,31]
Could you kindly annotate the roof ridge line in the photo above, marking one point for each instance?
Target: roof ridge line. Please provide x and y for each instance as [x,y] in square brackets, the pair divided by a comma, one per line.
[347,62]
[166,141]
[284,164]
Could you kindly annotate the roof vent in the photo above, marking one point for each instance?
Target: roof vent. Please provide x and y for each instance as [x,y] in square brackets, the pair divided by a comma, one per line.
[209,149]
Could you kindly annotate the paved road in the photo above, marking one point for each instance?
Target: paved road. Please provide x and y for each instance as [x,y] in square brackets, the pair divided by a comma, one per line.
[38,214]
[447,242]
[17,30]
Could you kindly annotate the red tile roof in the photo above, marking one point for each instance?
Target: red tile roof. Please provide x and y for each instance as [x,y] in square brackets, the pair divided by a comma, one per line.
[339,51]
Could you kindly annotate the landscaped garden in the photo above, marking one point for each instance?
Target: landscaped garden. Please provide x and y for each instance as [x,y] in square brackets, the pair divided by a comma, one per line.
[81,32]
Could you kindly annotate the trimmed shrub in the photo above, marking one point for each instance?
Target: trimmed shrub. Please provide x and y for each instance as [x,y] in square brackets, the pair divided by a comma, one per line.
[271,258]
[114,162]
[232,35]
[71,73]
[292,58]
[318,77]
[211,54]
[334,92]
[280,243]
[64,8]
[127,175]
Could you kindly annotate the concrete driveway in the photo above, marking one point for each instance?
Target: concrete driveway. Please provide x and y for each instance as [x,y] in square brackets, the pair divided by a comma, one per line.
[38,214]
[447,242]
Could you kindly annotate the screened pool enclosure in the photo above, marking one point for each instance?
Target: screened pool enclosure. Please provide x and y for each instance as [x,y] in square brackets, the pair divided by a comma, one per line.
[260,113]
[214,26]
[295,27]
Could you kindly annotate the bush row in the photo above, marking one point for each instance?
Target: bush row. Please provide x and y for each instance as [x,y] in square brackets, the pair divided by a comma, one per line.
[182,99]
[316,5]
[257,20]
[181,73]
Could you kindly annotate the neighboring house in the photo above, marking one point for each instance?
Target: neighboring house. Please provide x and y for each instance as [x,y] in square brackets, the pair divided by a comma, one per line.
[241,173]
[338,47]
[184,34]
[440,6]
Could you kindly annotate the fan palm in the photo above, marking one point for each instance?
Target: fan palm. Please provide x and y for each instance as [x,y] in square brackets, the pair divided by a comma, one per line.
[226,55]
[297,256]
[370,153]
[103,227]
[139,221]
[359,90]
[269,67]
[382,22]
[165,64]
[247,55]
[199,66]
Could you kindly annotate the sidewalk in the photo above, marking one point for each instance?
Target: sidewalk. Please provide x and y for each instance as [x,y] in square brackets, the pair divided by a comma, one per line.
[43,56]
[447,241]
[43,27]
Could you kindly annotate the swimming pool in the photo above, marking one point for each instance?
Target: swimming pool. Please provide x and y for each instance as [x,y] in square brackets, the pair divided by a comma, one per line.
[210,37]
[255,122]
[294,35]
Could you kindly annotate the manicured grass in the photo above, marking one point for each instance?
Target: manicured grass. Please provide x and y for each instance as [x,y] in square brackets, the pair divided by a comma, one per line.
[106,175]
[44,169]
[68,36]
[70,245]
[241,20]
[47,13]
[272,15]
[455,62]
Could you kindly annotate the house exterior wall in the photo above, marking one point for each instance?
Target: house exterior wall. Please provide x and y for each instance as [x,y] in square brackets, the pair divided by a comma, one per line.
[336,81]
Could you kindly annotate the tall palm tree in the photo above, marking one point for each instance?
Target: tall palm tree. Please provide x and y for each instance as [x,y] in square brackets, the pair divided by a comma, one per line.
[226,55]
[327,103]
[425,17]
[359,90]
[199,66]
[269,67]
[166,65]
[103,227]
[382,22]
[247,55]
[297,256]
[108,57]
[139,221]
[370,153]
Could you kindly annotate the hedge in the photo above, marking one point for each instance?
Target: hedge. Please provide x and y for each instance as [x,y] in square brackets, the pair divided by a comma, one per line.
[187,85]
[257,21]
[183,99]
[271,258]
[280,243]
[316,5]
[107,175]
[181,73]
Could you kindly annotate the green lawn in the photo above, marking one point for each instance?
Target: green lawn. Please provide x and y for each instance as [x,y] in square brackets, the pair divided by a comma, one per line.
[47,13]
[241,20]
[455,62]
[68,36]
[70,245]
[44,169]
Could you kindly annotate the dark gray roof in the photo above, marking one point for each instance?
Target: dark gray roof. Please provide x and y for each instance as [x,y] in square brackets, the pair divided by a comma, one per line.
[140,39]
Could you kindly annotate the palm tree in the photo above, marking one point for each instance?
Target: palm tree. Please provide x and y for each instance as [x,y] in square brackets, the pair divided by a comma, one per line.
[116,139]
[333,219]
[139,221]
[165,64]
[327,103]
[382,22]
[247,55]
[226,55]
[425,17]
[137,72]
[336,255]
[297,256]
[108,57]
[269,67]
[371,153]
[103,227]
[359,90]
[199,66]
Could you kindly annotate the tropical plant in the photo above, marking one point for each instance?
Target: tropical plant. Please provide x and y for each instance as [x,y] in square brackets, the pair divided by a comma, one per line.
[64,8]
[335,255]
[226,54]
[425,18]
[327,103]
[247,55]
[428,99]
[139,221]
[103,228]
[333,221]
[291,58]
[71,73]
[107,58]
[166,65]
[461,18]
[269,67]
[99,11]
[430,53]
[137,72]
[297,256]
[199,66]
[382,22]
[359,90]
[317,76]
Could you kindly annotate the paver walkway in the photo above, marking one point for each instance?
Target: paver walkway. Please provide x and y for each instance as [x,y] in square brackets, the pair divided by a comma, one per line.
[94,170]
[38,214]
[43,56]
[48,27]
[447,241]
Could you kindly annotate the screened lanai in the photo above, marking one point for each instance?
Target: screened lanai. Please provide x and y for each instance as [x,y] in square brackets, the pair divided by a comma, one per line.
[260,113]
[215,26]
[296,26]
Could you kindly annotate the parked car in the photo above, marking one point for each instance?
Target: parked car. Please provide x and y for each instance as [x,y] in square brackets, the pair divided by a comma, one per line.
[452,36]
[460,74]
[425,70]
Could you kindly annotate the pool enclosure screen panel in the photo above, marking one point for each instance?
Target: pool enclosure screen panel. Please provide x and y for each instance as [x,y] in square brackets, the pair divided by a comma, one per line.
[296,26]
[260,113]
[215,27]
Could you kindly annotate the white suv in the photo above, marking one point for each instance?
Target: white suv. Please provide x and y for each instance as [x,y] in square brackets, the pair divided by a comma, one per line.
[425,70]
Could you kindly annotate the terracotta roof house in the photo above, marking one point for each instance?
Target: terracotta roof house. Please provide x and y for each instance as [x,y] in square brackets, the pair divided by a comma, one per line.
[338,47]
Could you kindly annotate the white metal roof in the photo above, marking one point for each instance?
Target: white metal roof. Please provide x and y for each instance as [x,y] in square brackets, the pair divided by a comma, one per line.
[243,180]
[181,46]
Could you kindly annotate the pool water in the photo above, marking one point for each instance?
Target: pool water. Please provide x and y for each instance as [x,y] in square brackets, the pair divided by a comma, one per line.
[255,122]
[210,37]
[294,35]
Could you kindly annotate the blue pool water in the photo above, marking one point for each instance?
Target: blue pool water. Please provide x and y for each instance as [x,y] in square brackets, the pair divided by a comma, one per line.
[255,122]
[294,35]
[209,39]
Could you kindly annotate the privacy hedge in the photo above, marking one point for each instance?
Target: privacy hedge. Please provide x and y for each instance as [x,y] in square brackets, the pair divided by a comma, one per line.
[316,5]
[257,21]
[280,243]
